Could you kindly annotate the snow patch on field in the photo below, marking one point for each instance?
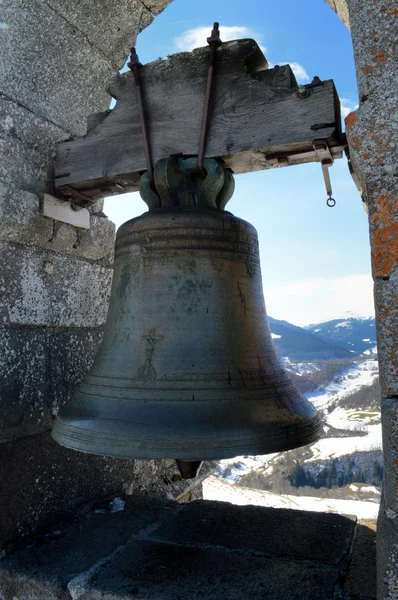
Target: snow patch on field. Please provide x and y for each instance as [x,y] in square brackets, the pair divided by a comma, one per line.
[328,448]
[215,489]
[232,469]
[362,374]
[370,351]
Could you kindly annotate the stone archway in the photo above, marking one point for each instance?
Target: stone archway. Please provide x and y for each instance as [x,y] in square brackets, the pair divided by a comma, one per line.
[57,61]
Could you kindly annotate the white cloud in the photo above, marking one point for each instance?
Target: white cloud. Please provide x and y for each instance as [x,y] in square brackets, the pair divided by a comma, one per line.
[347,106]
[195,38]
[322,299]
[298,70]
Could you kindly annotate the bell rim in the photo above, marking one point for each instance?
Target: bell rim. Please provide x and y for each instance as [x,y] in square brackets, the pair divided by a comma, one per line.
[294,435]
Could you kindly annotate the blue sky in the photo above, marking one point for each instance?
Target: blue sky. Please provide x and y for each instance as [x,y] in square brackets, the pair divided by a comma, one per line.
[315,260]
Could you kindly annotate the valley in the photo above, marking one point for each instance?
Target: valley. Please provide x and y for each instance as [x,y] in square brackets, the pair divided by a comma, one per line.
[342,472]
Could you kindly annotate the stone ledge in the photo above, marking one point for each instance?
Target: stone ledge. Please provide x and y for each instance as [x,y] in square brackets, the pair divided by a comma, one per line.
[120,556]
[271,532]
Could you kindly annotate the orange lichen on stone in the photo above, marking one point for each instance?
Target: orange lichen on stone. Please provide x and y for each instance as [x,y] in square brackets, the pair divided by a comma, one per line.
[350,120]
[384,232]
[356,141]
[384,146]
[380,57]
[367,70]
[389,11]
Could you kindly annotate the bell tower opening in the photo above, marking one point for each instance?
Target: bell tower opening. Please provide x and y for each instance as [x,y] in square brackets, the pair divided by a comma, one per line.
[317,283]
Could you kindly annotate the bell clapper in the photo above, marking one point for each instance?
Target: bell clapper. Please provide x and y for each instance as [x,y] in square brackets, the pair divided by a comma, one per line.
[189,469]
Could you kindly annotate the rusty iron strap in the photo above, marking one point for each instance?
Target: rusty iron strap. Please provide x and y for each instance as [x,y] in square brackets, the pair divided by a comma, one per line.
[213,41]
[134,65]
[79,199]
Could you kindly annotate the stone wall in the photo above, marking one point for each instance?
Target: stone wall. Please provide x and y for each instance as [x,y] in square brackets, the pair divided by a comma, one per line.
[57,59]
[372,136]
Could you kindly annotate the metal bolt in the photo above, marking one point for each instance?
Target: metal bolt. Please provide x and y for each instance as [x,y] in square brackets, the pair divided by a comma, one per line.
[303,91]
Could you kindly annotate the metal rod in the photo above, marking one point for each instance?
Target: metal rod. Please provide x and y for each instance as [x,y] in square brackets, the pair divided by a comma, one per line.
[325,171]
[134,65]
[326,176]
[213,41]
[188,468]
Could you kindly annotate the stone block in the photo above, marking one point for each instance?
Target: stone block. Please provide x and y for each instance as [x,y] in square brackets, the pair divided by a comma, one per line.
[50,68]
[360,583]
[45,570]
[18,123]
[381,197]
[42,484]
[278,533]
[156,6]
[111,28]
[387,552]
[109,556]
[95,244]
[65,212]
[23,167]
[386,304]
[25,389]
[22,223]
[38,287]
[373,27]
[389,420]
[150,570]
[341,8]
[39,369]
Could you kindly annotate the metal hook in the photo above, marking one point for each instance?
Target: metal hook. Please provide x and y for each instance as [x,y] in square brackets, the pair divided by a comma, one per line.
[331,201]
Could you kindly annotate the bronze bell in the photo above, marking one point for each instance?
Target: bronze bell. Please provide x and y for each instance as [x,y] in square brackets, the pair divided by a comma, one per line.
[187,368]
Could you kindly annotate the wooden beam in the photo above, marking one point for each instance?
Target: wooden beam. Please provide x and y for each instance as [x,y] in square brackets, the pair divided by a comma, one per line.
[258,121]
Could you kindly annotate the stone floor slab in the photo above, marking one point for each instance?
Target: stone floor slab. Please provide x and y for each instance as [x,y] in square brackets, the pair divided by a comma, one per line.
[282,533]
[162,550]
[43,570]
[159,571]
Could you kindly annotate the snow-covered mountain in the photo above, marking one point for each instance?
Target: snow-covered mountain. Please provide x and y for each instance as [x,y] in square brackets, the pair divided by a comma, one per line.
[342,472]
[300,345]
[355,334]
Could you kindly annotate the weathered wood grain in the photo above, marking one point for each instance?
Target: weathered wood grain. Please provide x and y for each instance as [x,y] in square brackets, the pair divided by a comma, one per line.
[256,115]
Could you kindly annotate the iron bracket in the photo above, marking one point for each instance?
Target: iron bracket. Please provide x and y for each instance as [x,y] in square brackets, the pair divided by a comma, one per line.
[322,152]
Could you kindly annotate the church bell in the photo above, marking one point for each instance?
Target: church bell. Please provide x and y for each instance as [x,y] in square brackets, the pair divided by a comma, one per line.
[187,368]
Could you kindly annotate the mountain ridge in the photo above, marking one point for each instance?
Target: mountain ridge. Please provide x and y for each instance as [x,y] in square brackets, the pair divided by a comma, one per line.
[300,345]
[357,334]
